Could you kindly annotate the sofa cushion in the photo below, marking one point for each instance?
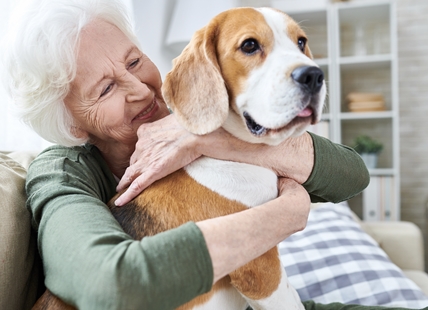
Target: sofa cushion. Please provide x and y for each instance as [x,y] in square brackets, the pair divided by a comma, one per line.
[18,268]
[397,239]
[334,260]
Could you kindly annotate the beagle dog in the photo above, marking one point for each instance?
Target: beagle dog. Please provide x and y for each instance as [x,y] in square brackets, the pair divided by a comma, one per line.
[251,72]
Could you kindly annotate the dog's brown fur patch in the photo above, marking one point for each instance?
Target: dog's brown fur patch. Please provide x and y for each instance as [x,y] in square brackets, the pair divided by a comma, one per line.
[178,199]
[295,32]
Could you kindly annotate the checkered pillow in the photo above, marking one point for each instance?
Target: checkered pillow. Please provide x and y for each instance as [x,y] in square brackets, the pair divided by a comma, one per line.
[334,260]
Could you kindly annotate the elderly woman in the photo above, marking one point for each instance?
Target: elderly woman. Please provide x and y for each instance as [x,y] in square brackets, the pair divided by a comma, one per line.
[81,81]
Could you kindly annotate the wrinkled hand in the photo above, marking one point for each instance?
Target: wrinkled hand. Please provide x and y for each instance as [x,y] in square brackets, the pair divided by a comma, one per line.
[163,147]
[291,191]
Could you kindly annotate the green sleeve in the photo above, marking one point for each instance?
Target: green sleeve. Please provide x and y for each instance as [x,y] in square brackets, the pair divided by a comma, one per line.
[88,260]
[339,173]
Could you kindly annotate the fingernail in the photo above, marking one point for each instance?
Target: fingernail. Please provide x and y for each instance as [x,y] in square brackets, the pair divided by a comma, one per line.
[118,202]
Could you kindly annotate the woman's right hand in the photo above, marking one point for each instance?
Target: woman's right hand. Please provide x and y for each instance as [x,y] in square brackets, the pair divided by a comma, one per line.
[163,147]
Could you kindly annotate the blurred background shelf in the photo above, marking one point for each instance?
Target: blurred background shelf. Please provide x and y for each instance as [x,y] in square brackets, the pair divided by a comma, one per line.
[355,44]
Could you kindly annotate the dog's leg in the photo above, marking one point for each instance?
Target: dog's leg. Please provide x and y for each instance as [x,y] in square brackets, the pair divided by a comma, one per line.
[285,297]
[264,284]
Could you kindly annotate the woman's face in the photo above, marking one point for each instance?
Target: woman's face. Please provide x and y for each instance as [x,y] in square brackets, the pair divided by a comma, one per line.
[116,89]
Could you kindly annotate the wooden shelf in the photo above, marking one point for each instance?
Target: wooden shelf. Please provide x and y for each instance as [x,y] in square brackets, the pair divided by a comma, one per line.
[382,172]
[322,62]
[366,115]
[364,62]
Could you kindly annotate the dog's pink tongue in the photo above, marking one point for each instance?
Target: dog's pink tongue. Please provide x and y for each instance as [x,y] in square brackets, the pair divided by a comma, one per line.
[306,112]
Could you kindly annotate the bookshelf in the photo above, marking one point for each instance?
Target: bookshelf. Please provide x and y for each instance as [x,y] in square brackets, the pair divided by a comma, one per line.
[355,44]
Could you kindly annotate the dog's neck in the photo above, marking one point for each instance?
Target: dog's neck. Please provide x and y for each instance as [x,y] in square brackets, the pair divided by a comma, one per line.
[248,184]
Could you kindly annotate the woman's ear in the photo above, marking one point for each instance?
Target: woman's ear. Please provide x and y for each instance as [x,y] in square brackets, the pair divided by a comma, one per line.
[194,89]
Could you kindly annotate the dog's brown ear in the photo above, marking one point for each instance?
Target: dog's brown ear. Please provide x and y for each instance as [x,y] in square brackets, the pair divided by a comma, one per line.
[194,89]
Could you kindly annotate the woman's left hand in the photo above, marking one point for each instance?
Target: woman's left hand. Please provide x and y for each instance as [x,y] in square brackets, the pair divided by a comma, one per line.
[163,147]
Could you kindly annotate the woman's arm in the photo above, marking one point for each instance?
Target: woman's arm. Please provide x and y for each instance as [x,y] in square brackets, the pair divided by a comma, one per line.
[91,263]
[88,260]
[329,171]
[339,173]
[236,239]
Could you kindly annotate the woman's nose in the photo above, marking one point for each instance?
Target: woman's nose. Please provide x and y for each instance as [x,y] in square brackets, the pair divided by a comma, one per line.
[136,90]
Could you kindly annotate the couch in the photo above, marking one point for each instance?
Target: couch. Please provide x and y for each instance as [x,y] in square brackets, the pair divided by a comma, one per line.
[403,243]
[337,257]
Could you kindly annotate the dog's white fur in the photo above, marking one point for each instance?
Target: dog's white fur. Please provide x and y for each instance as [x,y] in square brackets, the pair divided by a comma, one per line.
[276,101]
[248,184]
[272,98]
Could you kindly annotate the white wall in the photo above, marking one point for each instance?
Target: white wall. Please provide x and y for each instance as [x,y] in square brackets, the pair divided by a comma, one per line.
[4,12]
[14,135]
[151,25]
[413,81]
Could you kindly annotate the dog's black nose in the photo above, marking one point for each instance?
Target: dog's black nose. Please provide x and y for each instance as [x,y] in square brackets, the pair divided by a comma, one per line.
[310,77]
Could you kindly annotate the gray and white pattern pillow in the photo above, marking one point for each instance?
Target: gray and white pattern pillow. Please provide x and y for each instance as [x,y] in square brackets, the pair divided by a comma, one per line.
[334,260]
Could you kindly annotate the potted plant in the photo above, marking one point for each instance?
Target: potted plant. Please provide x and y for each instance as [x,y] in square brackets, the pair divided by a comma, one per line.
[369,149]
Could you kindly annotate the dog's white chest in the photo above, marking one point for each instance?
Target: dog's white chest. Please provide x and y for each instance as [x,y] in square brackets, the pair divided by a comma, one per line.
[248,184]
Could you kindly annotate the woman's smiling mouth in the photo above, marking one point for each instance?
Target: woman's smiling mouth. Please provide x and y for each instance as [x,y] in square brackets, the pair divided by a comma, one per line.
[148,111]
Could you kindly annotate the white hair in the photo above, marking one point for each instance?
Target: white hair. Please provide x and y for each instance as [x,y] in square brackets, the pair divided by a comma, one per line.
[40,59]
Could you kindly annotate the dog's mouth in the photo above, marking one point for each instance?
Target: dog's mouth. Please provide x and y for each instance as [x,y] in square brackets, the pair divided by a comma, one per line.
[255,129]
[307,115]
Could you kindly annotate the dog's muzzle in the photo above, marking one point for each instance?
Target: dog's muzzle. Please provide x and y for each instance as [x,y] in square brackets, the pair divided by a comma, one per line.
[310,78]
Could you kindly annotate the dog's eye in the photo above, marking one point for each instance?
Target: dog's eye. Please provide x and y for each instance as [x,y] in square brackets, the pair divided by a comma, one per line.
[250,46]
[301,44]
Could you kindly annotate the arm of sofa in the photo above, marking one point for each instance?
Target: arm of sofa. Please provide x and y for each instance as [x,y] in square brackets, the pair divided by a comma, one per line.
[402,241]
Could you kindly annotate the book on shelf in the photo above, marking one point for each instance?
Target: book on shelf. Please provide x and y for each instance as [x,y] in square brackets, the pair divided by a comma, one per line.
[379,199]
[365,102]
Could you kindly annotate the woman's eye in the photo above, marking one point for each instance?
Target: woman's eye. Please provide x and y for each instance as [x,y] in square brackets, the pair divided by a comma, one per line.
[250,46]
[134,63]
[106,90]
[301,44]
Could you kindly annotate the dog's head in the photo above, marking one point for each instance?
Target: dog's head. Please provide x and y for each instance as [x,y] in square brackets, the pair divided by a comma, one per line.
[250,71]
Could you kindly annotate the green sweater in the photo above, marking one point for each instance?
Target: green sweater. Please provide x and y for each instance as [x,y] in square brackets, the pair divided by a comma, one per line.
[91,263]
